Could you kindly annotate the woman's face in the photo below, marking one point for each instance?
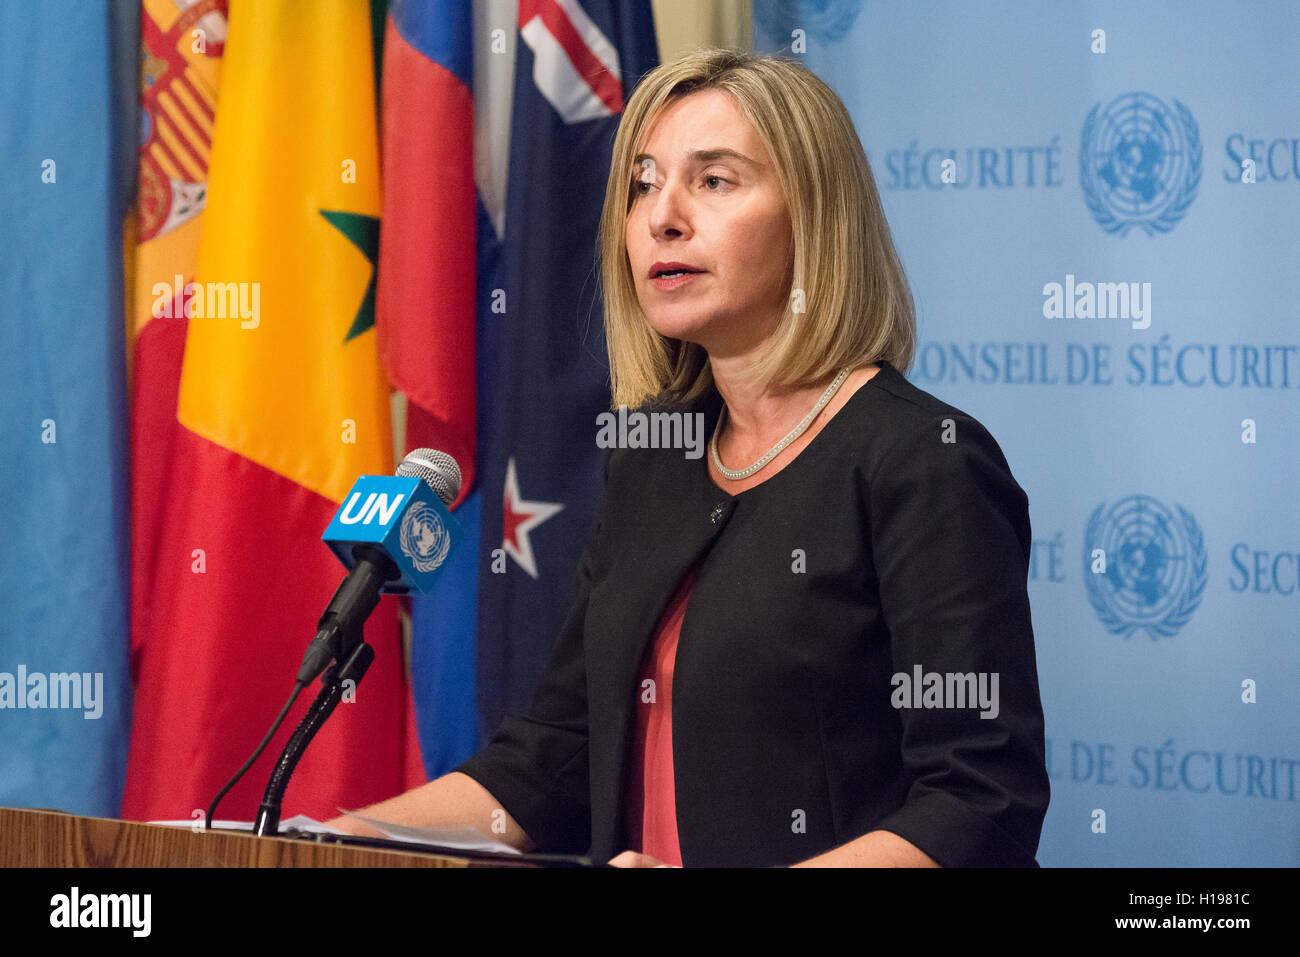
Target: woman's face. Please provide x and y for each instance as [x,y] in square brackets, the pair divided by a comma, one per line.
[706,194]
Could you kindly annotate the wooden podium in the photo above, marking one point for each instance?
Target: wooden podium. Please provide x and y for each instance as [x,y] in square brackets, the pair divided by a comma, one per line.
[31,838]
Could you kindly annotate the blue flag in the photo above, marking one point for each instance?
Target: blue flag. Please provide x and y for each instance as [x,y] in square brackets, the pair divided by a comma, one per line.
[549,376]
[67,169]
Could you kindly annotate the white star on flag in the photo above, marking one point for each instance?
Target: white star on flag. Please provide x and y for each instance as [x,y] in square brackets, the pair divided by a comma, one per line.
[521,517]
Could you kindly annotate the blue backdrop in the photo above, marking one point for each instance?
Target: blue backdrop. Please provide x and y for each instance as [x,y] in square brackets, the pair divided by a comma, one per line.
[1032,158]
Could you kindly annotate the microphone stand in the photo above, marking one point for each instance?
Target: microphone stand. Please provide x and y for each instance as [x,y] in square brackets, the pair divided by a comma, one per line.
[353,669]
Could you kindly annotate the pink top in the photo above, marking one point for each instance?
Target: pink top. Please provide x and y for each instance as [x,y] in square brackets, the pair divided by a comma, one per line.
[651,807]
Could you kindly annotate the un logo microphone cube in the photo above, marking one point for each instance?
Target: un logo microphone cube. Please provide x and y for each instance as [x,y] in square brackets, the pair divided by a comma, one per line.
[402,517]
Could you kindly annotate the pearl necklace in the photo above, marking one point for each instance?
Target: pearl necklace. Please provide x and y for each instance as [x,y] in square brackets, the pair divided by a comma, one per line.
[775,450]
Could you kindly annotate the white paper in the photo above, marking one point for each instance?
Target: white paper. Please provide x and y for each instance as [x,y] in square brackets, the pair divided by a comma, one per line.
[460,839]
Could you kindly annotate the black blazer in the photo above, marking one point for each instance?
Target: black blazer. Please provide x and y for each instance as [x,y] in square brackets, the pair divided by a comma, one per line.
[785,740]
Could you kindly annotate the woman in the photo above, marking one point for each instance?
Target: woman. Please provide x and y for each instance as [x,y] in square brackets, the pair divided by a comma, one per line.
[815,645]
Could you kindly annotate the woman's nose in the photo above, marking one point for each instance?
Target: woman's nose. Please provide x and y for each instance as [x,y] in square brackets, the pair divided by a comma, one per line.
[668,214]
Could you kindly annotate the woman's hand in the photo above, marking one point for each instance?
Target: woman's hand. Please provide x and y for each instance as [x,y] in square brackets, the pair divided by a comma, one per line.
[633,859]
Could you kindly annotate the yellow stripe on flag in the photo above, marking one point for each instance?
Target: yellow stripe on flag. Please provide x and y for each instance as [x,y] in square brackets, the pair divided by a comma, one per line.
[277,379]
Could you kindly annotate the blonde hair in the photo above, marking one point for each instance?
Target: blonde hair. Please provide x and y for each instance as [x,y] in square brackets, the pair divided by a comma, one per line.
[857,307]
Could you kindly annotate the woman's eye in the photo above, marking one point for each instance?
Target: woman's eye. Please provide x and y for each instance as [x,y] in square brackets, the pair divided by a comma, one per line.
[638,186]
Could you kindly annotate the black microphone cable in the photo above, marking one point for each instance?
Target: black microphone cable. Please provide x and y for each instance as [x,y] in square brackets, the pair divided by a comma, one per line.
[212,808]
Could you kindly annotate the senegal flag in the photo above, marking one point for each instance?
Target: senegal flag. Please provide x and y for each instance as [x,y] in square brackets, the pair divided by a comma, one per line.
[281,403]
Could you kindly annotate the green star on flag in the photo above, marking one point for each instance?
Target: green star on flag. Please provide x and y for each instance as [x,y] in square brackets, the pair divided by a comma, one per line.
[363,232]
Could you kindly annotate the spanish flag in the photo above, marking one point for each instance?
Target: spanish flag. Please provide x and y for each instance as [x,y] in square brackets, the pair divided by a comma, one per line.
[281,402]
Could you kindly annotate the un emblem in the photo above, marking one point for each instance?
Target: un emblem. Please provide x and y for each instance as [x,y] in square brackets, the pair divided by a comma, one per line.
[1140,165]
[424,538]
[1151,572]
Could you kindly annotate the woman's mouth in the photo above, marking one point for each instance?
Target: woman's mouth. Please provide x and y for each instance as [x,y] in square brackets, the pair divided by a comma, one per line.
[672,274]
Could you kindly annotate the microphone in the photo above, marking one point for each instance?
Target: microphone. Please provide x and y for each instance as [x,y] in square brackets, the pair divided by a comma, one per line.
[392,532]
